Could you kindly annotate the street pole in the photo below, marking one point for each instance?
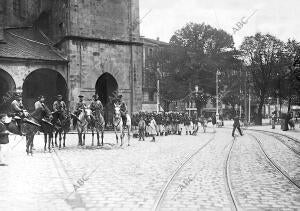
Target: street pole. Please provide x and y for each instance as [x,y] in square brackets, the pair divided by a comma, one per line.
[249,115]
[217,95]
[157,106]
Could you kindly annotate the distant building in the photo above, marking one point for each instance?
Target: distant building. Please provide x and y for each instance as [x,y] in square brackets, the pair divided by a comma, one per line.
[150,48]
[65,47]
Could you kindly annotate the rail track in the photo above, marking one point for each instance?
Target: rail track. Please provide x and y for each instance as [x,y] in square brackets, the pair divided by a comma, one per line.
[274,164]
[228,179]
[163,193]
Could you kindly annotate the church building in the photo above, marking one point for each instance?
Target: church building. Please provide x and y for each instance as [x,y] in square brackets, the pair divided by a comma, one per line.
[71,47]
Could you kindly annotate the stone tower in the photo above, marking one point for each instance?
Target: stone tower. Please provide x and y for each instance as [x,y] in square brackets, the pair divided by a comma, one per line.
[99,40]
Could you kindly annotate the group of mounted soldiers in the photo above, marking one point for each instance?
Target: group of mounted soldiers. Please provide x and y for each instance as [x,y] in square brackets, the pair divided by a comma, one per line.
[19,113]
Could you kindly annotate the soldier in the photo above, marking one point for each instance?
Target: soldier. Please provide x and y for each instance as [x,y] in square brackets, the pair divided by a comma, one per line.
[17,110]
[59,106]
[78,108]
[96,105]
[123,110]
[17,106]
[40,104]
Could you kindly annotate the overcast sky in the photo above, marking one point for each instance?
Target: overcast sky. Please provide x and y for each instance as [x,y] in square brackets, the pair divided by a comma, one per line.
[278,17]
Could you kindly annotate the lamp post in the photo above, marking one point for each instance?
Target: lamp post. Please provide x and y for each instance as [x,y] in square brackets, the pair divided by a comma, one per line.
[217,94]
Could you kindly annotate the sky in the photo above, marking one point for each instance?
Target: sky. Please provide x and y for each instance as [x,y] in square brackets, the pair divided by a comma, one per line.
[161,18]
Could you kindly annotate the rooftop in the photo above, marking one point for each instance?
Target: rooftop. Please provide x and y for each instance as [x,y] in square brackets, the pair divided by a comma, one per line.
[29,43]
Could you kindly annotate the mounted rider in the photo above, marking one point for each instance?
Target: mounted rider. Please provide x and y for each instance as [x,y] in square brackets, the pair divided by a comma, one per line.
[123,109]
[40,104]
[59,106]
[96,105]
[80,106]
[18,111]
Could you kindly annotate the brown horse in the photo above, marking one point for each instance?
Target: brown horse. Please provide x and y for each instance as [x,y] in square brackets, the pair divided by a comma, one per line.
[29,127]
[62,121]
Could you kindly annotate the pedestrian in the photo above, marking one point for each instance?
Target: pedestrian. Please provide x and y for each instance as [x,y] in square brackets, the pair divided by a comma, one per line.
[142,128]
[236,125]
[152,126]
[214,122]
[273,119]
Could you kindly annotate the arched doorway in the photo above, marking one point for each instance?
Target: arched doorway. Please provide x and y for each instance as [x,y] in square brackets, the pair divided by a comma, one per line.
[7,88]
[106,86]
[45,82]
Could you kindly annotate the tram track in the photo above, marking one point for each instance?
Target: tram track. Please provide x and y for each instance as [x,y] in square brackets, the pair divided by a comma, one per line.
[288,145]
[228,178]
[274,164]
[167,185]
[172,179]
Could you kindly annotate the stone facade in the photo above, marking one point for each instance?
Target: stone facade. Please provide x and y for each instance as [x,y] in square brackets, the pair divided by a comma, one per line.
[97,37]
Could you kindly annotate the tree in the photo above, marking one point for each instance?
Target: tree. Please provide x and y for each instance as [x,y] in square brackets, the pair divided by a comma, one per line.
[265,56]
[204,46]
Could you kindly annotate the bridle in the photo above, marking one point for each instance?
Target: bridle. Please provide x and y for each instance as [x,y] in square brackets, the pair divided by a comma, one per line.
[117,114]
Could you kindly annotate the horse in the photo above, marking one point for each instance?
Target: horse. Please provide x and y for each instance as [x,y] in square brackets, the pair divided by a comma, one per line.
[97,123]
[29,127]
[47,127]
[118,124]
[62,121]
[82,122]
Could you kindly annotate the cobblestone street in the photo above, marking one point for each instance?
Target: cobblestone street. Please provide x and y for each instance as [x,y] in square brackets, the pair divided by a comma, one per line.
[133,177]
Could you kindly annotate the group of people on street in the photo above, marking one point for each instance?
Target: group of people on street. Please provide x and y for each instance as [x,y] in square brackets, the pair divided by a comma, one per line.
[167,123]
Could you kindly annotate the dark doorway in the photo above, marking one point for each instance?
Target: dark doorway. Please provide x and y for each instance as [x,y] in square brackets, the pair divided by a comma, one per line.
[45,82]
[7,89]
[106,86]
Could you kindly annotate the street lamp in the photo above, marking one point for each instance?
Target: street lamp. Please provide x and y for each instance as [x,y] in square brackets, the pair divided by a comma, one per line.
[217,94]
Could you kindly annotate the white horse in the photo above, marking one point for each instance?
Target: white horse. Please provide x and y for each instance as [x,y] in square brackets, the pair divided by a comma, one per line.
[118,125]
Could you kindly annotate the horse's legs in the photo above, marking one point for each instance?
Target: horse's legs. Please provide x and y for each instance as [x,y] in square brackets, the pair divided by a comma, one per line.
[45,140]
[27,144]
[122,136]
[128,136]
[98,141]
[83,138]
[50,139]
[92,136]
[102,134]
[79,138]
[64,138]
[30,141]
[55,135]
[117,136]
[60,132]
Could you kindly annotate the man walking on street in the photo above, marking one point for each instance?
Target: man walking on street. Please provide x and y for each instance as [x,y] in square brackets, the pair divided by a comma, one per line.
[236,125]
[214,122]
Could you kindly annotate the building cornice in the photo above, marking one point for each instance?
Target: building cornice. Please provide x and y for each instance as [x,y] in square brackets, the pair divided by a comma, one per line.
[16,60]
[99,40]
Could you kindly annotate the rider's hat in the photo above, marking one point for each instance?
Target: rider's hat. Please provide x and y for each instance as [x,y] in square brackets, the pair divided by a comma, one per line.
[58,96]
[80,96]
[120,96]
[41,96]
[95,95]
